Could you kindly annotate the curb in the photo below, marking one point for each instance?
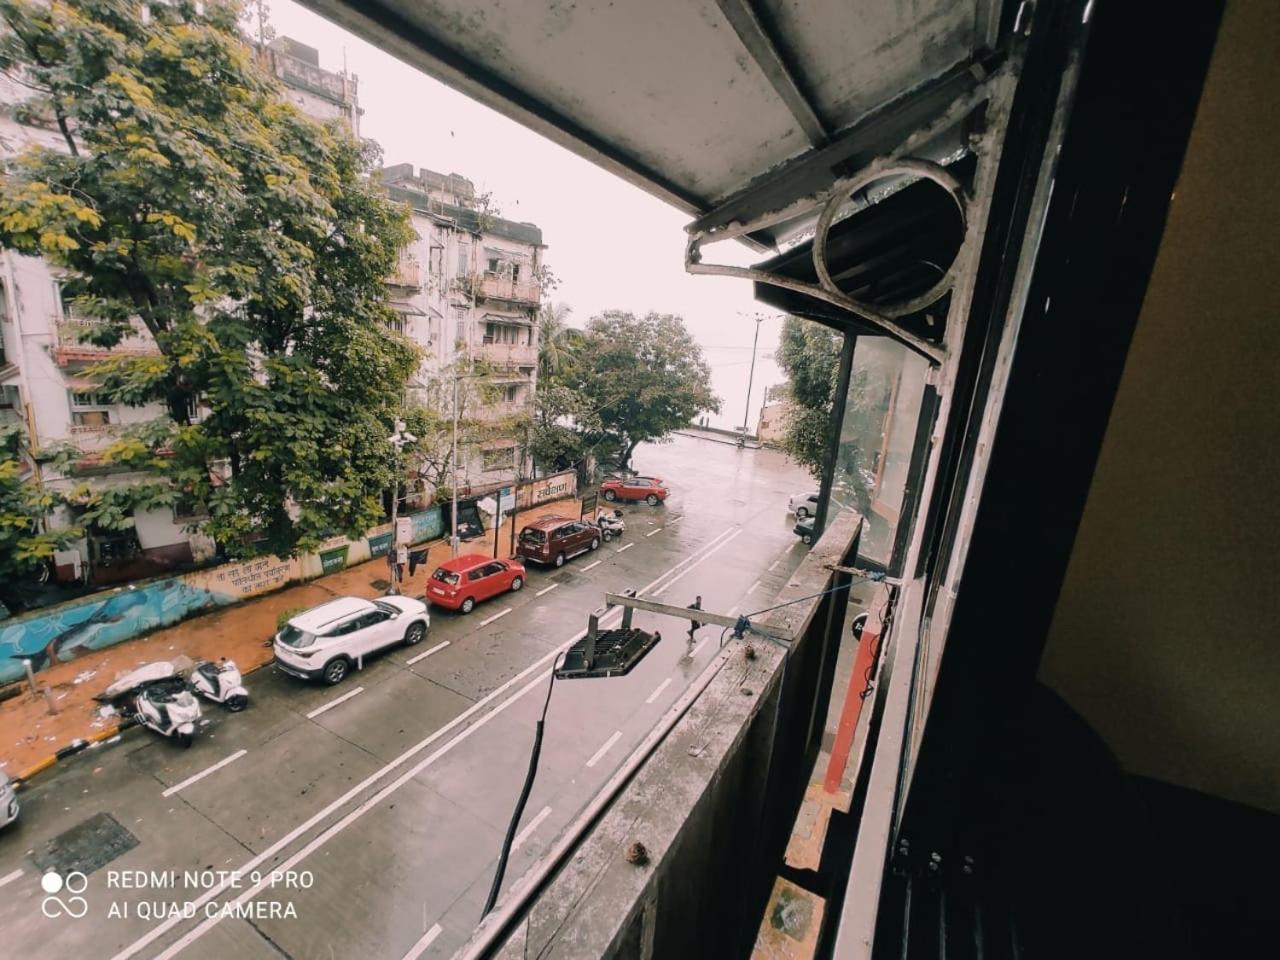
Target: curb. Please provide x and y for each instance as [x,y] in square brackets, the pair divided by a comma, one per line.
[70,750]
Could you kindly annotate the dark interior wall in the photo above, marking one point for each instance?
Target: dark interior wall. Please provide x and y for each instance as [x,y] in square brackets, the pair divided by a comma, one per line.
[1167,632]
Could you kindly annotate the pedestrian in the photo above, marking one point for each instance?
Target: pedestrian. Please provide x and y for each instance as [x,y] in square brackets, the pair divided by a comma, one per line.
[402,562]
[694,625]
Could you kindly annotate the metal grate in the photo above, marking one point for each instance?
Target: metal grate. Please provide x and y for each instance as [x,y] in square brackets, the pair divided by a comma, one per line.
[88,845]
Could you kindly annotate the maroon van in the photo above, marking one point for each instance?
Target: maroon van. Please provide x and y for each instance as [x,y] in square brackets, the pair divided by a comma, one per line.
[554,540]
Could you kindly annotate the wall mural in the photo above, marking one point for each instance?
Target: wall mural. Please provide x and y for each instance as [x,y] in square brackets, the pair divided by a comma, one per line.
[94,622]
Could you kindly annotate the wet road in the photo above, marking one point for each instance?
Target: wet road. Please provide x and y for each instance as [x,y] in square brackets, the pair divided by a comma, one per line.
[364,820]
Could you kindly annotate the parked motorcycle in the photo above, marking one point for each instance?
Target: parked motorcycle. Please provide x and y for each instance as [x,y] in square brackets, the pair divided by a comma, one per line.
[155,696]
[221,683]
[611,525]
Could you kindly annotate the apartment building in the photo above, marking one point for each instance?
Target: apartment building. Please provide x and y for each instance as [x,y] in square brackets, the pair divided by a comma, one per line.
[468,291]
[42,360]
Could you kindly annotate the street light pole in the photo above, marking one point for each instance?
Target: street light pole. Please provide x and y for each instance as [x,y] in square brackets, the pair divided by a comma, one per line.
[398,441]
[746,414]
[453,536]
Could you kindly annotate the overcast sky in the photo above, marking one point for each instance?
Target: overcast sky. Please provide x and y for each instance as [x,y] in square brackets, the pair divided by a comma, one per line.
[611,245]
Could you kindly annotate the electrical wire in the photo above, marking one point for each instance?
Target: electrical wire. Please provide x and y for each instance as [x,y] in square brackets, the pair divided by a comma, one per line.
[505,854]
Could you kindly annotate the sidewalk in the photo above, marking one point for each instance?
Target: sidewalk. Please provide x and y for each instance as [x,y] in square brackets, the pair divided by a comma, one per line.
[29,735]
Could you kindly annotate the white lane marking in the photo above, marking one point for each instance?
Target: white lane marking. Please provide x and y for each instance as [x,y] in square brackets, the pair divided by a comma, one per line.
[652,532]
[10,877]
[426,653]
[524,834]
[599,754]
[774,564]
[676,519]
[658,691]
[423,942]
[333,703]
[589,566]
[546,589]
[706,556]
[496,616]
[627,547]
[195,933]
[694,652]
[203,773]
[752,589]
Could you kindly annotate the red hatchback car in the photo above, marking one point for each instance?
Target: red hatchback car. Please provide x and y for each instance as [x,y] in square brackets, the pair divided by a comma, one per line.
[461,583]
[649,489]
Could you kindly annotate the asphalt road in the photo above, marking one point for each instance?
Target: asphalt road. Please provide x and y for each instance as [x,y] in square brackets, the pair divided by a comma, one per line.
[364,820]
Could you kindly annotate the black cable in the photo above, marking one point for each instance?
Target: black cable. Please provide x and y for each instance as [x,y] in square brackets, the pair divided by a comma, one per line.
[516,814]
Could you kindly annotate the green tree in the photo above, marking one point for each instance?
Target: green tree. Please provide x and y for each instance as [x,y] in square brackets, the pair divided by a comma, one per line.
[248,240]
[809,354]
[639,378]
[27,539]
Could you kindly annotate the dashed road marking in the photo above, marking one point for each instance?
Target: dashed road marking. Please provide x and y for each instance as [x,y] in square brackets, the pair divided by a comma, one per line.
[658,691]
[652,532]
[425,941]
[694,652]
[497,616]
[753,588]
[546,589]
[706,556]
[591,566]
[627,547]
[426,653]
[599,754]
[333,703]
[524,834]
[774,564]
[201,775]
[10,877]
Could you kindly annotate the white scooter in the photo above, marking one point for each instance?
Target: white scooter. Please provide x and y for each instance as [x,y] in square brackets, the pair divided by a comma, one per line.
[220,682]
[155,696]
[611,526]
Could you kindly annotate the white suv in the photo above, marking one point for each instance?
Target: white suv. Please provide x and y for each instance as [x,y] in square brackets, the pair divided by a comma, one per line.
[327,641]
[803,505]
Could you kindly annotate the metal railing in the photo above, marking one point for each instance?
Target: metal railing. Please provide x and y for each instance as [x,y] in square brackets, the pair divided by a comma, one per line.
[492,287]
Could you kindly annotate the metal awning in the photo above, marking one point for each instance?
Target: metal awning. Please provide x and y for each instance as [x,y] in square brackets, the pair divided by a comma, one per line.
[405,308]
[518,320]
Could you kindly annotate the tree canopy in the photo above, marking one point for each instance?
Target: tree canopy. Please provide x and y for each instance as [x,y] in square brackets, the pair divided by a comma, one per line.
[622,381]
[248,240]
[809,354]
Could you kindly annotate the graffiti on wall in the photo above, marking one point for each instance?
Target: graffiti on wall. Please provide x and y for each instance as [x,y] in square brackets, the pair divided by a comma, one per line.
[61,633]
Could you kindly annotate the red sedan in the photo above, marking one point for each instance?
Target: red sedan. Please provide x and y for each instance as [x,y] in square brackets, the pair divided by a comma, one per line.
[649,489]
[461,583]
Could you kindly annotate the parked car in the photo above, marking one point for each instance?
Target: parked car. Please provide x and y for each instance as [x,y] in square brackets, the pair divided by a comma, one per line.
[803,505]
[461,583]
[649,489]
[8,801]
[327,641]
[804,529]
[557,539]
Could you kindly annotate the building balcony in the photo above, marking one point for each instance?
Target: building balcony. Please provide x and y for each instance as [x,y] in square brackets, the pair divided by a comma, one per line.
[501,410]
[70,348]
[407,274]
[490,287]
[509,354]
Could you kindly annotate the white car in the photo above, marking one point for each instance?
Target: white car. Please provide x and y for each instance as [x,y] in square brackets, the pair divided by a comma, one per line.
[328,641]
[8,801]
[803,505]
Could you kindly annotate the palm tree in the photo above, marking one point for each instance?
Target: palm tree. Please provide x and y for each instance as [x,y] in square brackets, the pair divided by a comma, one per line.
[556,339]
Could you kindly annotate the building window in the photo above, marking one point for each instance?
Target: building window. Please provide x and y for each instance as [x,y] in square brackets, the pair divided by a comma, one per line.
[499,458]
[510,392]
[90,409]
[395,323]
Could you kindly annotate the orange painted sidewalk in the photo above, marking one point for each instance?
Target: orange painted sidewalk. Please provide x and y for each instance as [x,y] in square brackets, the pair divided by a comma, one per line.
[29,734]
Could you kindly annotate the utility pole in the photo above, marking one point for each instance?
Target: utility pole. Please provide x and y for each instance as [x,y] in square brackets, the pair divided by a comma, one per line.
[746,414]
[453,528]
[398,441]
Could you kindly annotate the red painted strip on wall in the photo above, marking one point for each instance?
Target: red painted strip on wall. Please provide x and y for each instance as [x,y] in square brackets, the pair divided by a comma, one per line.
[864,660]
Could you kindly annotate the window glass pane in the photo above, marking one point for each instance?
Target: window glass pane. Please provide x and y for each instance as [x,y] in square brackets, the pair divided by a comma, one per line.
[886,387]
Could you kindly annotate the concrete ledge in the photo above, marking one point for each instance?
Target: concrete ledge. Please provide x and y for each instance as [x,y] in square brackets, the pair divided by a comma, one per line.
[712,807]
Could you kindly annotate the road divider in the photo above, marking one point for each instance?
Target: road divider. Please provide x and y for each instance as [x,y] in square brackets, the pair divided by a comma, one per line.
[599,754]
[658,690]
[204,773]
[533,825]
[419,948]
[497,616]
[426,653]
[334,702]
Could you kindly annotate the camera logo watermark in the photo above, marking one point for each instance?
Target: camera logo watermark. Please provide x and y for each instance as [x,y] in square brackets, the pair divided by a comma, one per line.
[74,883]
